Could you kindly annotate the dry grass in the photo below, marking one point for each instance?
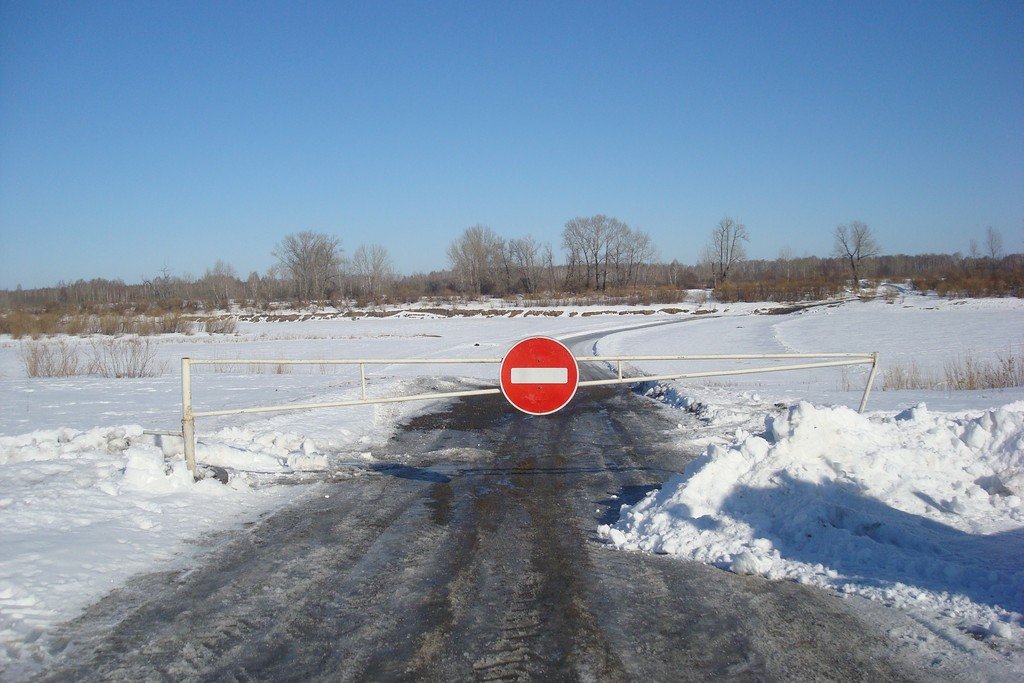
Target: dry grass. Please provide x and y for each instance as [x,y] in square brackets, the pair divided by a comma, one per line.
[967,373]
[22,324]
[251,368]
[900,378]
[221,325]
[964,373]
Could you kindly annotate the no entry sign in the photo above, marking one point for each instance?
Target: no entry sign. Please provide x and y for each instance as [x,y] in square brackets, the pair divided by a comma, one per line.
[539,376]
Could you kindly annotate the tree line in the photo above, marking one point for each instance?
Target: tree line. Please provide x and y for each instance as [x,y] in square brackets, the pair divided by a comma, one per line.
[600,256]
[600,253]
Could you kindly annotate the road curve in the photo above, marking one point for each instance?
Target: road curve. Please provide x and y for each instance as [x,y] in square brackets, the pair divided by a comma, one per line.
[476,558]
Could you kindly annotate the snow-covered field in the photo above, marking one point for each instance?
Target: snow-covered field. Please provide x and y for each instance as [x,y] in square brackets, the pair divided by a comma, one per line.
[917,504]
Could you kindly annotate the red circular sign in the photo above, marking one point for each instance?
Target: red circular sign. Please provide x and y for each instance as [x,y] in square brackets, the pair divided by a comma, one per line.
[539,376]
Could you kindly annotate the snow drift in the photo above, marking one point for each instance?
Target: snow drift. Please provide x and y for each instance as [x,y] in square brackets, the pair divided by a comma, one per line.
[81,511]
[921,511]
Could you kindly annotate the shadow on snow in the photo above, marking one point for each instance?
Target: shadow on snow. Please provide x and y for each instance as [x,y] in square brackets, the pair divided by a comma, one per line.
[872,544]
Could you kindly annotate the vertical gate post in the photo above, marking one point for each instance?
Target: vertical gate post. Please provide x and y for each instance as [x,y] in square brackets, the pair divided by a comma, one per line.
[871,380]
[188,421]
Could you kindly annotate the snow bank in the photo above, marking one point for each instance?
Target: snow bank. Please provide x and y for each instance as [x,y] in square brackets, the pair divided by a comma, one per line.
[81,511]
[921,511]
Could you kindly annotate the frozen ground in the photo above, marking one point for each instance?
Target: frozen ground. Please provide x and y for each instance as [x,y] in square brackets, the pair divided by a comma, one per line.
[919,509]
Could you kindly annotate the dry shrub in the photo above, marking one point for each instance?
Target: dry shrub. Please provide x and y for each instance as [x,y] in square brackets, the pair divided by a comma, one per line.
[967,373]
[125,357]
[221,325]
[111,325]
[49,323]
[13,323]
[51,359]
[75,325]
[899,378]
[815,289]
[174,323]
[115,357]
[108,321]
[665,295]
[977,283]
[21,324]
[144,327]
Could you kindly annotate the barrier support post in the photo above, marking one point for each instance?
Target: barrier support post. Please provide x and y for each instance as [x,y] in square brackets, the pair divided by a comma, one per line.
[188,420]
[871,380]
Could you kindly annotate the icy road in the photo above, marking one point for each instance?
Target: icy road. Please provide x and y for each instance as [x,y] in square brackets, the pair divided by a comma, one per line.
[478,559]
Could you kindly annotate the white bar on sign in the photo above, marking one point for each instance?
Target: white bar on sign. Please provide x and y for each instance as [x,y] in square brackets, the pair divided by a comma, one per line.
[540,375]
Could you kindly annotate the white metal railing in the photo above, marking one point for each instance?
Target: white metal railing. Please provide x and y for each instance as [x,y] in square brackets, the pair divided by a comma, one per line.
[189,414]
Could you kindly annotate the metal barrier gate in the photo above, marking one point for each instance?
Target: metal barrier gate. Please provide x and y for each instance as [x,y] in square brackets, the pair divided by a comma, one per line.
[189,415]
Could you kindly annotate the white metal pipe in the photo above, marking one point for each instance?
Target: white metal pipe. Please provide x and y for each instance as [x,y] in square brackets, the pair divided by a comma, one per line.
[188,418]
[362,381]
[353,402]
[729,356]
[471,361]
[871,381]
[721,373]
[160,432]
[346,361]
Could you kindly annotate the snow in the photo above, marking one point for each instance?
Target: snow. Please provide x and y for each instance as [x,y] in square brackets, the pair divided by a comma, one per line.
[917,510]
[928,331]
[81,511]
[915,505]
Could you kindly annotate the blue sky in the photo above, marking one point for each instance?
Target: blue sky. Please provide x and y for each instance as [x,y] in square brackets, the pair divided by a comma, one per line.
[141,135]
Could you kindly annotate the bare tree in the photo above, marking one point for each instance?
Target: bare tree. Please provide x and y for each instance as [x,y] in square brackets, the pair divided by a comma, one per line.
[785,261]
[633,256]
[372,268]
[254,287]
[853,244]
[219,283]
[574,237]
[993,244]
[596,242]
[611,236]
[474,256]
[504,264]
[313,261]
[726,248]
[972,251]
[523,254]
[547,268]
